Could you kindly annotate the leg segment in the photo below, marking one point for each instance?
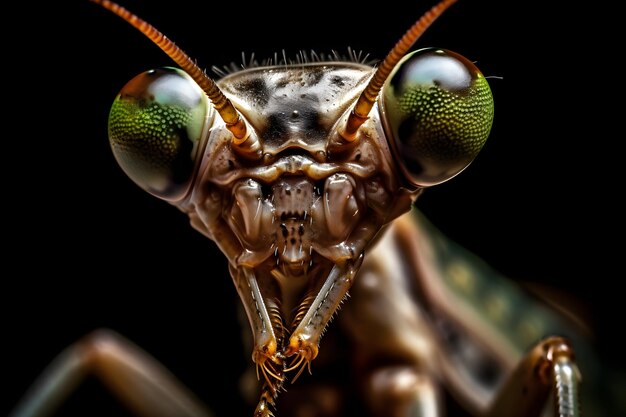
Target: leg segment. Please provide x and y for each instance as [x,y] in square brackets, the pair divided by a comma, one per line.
[138,379]
[549,367]
[305,339]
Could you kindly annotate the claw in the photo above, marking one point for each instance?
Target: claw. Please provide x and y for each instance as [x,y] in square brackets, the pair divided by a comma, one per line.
[297,361]
[272,376]
[268,371]
[305,352]
[306,364]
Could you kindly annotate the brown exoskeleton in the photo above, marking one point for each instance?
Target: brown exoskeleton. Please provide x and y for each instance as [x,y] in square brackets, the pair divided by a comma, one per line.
[302,174]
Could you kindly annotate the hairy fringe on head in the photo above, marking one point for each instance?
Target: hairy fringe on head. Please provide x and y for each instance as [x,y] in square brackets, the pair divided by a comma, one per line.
[301,58]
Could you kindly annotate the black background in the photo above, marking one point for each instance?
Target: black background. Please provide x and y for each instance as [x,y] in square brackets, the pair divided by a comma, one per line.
[85,248]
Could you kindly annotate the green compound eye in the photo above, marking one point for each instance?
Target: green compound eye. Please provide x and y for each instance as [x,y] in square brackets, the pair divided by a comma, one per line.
[155,130]
[438,110]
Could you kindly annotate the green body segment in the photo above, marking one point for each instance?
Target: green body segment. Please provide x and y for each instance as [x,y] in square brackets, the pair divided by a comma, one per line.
[155,130]
[440,110]
[511,319]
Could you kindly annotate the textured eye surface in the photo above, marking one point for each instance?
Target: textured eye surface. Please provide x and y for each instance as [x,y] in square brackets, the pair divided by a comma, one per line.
[155,129]
[438,109]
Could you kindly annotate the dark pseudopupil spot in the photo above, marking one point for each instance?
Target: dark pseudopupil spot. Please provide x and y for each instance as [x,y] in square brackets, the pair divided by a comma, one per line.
[405,130]
[182,165]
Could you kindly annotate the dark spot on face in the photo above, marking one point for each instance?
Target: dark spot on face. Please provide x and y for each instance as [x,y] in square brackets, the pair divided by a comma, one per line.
[255,88]
[337,80]
[301,230]
[293,119]
[293,241]
[284,230]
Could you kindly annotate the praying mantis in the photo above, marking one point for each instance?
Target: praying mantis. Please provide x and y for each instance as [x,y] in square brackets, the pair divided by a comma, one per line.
[433,189]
